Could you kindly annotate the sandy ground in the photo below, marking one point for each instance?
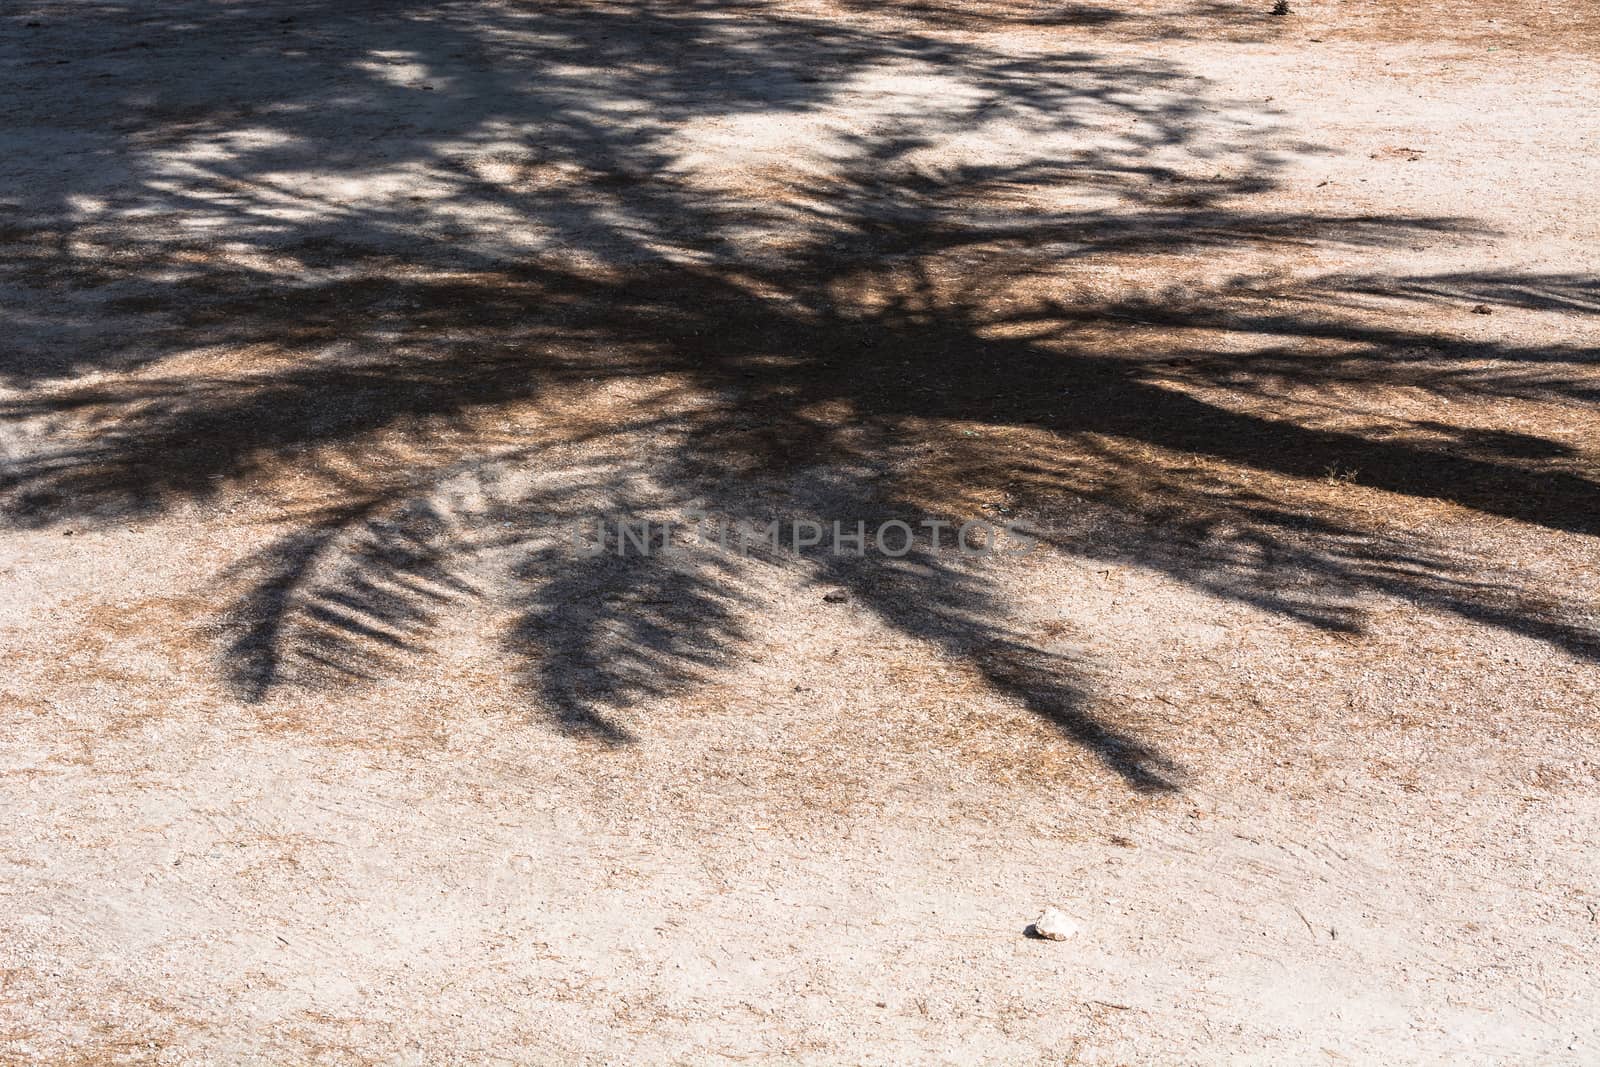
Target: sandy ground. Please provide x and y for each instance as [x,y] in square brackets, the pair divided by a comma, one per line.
[323,322]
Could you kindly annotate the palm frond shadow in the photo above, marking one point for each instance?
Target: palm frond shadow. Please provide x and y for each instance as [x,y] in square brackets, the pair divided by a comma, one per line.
[573,321]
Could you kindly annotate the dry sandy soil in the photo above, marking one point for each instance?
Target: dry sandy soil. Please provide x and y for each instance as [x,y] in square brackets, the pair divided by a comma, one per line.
[325,323]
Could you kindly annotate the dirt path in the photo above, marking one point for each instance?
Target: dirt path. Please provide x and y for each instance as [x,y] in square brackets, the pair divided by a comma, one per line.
[326,325]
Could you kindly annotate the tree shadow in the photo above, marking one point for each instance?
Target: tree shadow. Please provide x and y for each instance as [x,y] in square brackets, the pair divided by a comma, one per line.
[465,272]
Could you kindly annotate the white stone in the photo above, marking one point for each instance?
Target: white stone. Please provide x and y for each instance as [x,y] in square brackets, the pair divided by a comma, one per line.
[1053,925]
